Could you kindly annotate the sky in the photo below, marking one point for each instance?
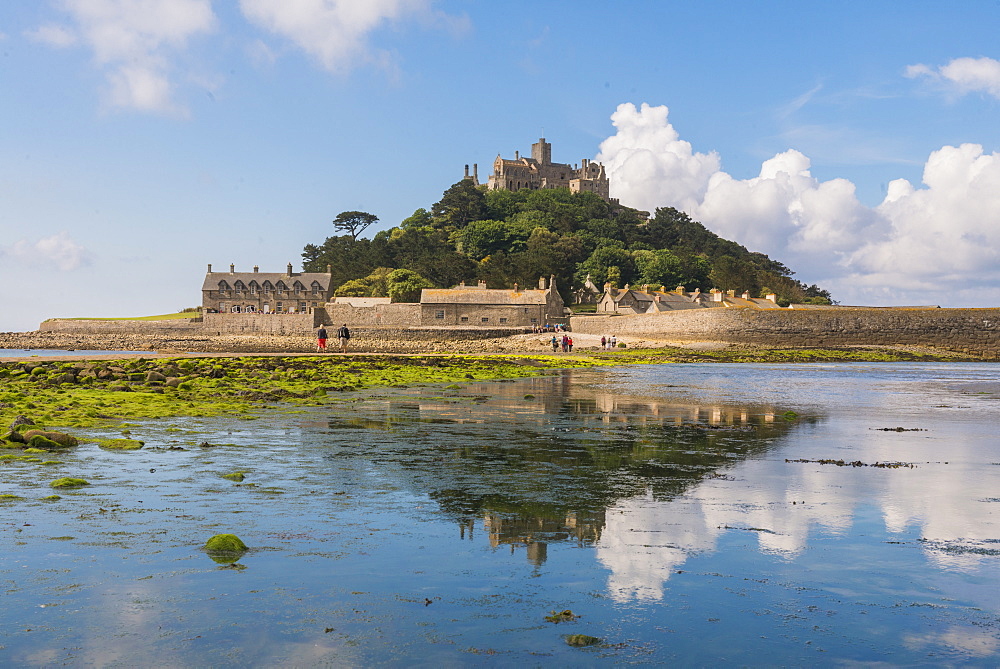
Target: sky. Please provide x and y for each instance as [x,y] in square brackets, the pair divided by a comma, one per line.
[140,140]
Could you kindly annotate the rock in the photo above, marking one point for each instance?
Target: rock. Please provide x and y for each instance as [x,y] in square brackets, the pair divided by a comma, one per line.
[225,548]
[153,376]
[61,439]
[21,420]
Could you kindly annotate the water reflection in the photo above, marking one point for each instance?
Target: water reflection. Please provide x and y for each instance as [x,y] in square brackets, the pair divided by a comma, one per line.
[544,460]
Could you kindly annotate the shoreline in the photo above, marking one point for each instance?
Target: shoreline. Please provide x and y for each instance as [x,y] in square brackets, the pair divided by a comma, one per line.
[537,344]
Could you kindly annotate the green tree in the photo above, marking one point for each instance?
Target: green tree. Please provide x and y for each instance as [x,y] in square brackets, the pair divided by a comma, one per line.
[462,203]
[404,285]
[657,268]
[607,264]
[354,222]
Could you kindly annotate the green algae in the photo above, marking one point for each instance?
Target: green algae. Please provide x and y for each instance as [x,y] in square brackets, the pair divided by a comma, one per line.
[68,482]
[51,498]
[120,444]
[9,498]
[225,548]
[234,476]
[35,450]
[580,640]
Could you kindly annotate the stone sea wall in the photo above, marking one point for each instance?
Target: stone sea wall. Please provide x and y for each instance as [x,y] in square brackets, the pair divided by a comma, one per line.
[972,331]
[172,326]
[265,324]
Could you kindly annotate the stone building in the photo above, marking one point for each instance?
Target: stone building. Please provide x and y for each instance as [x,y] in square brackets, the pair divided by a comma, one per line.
[264,292]
[492,307]
[539,171]
[651,301]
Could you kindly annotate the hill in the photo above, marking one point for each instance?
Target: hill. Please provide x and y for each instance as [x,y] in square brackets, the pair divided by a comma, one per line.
[505,237]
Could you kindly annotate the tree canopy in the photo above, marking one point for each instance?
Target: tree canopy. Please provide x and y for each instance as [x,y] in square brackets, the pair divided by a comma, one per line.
[504,238]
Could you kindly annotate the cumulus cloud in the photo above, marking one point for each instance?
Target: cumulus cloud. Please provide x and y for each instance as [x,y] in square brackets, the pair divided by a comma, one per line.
[334,32]
[917,246]
[649,164]
[963,75]
[133,41]
[58,250]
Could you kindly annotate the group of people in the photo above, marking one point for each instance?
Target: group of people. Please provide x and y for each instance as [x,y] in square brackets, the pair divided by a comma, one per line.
[343,334]
[535,328]
[566,342]
[609,342]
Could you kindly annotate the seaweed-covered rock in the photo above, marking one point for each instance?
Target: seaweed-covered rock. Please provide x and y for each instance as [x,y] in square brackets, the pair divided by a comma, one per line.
[234,476]
[225,548]
[44,443]
[21,420]
[582,640]
[153,376]
[14,437]
[61,439]
[68,482]
[122,444]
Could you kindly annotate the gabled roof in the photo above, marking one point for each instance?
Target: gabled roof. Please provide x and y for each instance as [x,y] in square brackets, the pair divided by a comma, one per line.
[305,278]
[501,296]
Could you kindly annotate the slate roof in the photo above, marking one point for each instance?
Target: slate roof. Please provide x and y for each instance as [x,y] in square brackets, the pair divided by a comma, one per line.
[305,278]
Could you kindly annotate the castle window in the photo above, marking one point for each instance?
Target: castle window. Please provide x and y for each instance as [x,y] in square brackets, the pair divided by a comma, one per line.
[484,319]
[503,320]
[439,314]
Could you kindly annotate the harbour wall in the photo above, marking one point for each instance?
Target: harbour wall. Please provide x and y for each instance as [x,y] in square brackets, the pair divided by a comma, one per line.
[971,331]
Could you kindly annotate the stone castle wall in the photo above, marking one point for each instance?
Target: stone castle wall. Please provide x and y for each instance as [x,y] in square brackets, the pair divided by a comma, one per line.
[266,324]
[381,315]
[972,331]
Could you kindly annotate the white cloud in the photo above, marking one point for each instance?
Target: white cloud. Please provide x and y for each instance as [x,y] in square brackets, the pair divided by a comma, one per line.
[133,41]
[53,35]
[334,32]
[649,164]
[963,75]
[918,246]
[58,250]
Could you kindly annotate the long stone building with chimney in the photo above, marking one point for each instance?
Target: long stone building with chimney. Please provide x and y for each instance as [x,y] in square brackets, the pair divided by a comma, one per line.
[539,171]
[264,292]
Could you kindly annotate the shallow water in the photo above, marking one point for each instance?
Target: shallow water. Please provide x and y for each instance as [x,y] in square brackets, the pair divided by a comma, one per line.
[680,511]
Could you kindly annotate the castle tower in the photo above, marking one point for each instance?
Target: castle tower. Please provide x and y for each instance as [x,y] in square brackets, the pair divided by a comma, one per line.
[542,152]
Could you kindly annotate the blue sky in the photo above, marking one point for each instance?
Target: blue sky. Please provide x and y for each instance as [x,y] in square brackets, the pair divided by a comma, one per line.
[142,139]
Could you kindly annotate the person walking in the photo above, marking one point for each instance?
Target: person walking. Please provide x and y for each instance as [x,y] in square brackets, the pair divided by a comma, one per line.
[343,334]
[321,338]
[555,344]
[604,342]
[569,342]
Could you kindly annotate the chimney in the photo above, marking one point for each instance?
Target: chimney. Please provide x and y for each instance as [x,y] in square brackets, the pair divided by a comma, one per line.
[475,171]
[680,289]
[466,171]
[329,269]
[482,284]
[232,268]
[541,283]
[209,268]
[289,269]
[746,295]
[515,287]
[645,287]
[517,155]
[256,268]
[772,297]
[731,293]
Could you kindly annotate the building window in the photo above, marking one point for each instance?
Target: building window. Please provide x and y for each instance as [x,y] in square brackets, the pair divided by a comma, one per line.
[534,321]
[464,319]
[279,307]
[302,307]
[484,319]
[503,320]
[439,314]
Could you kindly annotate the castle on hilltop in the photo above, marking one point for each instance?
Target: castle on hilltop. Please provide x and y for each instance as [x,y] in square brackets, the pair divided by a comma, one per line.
[539,171]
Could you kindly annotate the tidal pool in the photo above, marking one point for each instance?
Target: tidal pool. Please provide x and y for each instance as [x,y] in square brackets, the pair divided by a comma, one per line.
[687,514]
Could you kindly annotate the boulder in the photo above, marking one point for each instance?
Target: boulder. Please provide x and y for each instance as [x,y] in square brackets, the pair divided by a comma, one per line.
[64,440]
